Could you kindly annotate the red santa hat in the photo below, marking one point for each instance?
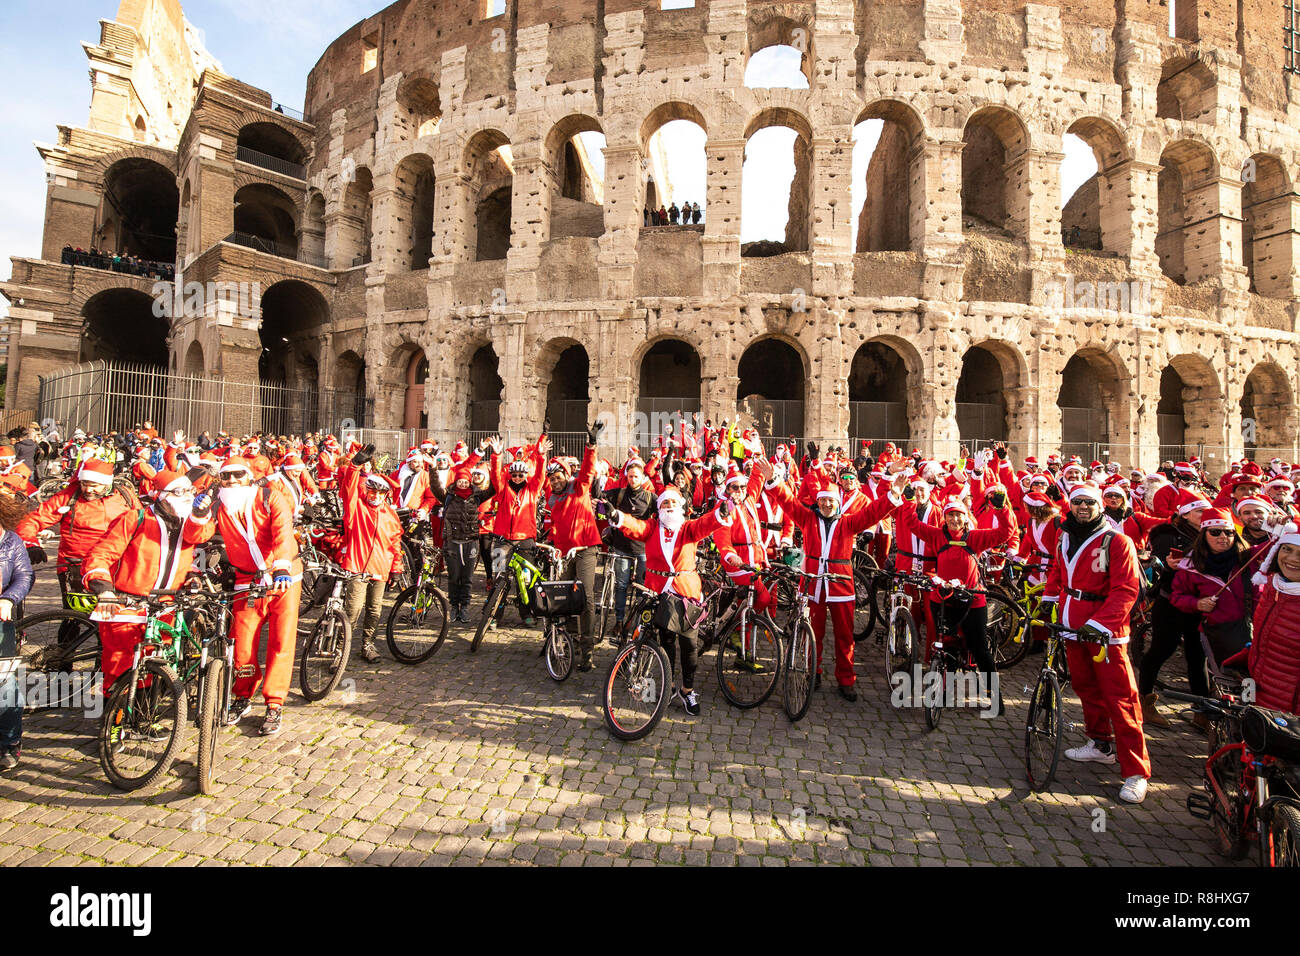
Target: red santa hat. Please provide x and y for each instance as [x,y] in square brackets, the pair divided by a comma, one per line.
[1258,502]
[1184,469]
[1085,490]
[955,504]
[235,466]
[96,471]
[165,481]
[1189,501]
[291,462]
[1281,484]
[1217,518]
[1036,501]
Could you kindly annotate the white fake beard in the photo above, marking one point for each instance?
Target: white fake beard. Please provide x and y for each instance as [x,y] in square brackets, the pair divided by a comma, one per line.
[176,506]
[236,497]
[672,520]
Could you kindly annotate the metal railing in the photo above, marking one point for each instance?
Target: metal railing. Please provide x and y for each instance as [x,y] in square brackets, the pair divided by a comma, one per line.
[275,164]
[99,397]
[287,111]
[281,250]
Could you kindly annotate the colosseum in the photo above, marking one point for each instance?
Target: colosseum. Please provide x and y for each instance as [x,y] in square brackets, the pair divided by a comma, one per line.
[437,247]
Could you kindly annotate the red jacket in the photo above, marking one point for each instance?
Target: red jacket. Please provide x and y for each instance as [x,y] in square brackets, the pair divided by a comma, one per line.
[828,546]
[955,557]
[138,554]
[517,507]
[261,541]
[573,520]
[744,536]
[372,537]
[82,522]
[666,551]
[1275,649]
[1092,589]
[1137,526]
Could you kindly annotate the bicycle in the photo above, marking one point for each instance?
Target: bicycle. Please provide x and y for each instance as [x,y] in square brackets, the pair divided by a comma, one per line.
[148,703]
[417,623]
[325,655]
[520,571]
[1008,630]
[949,651]
[1044,739]
[747,677]
[63,642]
[557,603]
[607,601]
[634,692]
[901,640]
[801,647]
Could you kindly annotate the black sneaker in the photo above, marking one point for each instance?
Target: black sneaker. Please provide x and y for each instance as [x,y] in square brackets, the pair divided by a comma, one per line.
[848,693]
[271,722]
[9,758]
[690,701]
[238,707]
[817,682]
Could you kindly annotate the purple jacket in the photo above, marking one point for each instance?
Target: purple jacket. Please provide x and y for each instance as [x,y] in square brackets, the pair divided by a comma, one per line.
[1190,585]
[16,575]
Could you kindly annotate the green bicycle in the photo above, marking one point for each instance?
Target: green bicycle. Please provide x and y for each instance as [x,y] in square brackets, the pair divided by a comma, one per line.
[417,624]
[519,571]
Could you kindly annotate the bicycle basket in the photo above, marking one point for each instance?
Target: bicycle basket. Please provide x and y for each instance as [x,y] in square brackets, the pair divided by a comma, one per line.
[560,598]
[85,603]
[1271,732]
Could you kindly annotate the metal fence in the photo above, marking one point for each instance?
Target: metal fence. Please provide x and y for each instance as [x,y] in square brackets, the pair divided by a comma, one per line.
[114,396]
[273,163]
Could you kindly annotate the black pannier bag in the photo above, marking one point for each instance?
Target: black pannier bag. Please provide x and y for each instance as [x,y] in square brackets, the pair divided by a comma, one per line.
[676,614]
[1271,732]
[560,598]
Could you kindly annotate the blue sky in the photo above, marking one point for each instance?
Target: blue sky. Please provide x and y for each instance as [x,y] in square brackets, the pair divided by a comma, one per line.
[272,44]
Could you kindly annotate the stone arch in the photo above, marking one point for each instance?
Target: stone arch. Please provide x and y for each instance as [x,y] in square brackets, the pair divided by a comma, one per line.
[281,123]
[119,324]
[293,312]
[265,218]
[769,27]
[489,170]
[414,185]
[1268,412]
[1268,227]
[884,377]
[1099,210]
[271,146]
[657,163]
[1187,90]
[994,176]
[486,389]
[772,384]
[894,203]
[1188,191]
[798,228]
[666,113]
[1093,397]
[990,369]
[1191,410]
[670,371]
[419,106]
[574,187]
[139,209]
[311,235]
[354,220]
[563,370]
[194,364]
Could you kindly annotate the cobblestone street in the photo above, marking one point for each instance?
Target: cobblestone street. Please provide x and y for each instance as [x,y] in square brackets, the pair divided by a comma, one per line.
[471,759]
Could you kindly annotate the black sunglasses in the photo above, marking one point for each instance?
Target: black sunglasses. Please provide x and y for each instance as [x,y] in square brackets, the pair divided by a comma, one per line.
[1218,532]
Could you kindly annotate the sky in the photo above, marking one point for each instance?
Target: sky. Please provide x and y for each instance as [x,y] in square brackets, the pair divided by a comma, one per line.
[273,44]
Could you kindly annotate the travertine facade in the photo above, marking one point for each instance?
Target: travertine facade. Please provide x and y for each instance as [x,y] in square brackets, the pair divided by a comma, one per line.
[969,284]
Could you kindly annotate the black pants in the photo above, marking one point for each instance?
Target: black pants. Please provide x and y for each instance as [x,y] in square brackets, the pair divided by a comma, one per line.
[485,554]
[690,654]
[1169,626]
[582,567]
[973,624]
[461,558]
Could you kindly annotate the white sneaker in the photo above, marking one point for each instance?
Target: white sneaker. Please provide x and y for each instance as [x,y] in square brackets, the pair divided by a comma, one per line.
[1134,789]
[1090,753]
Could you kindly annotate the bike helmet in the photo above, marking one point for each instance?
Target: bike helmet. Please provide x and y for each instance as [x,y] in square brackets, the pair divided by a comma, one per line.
[519,469]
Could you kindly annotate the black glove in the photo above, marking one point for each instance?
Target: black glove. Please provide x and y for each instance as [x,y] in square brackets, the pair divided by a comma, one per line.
[909,493]
[998,500]
[1002,453]
[1092,635]
[99,586]
[364,455]
[593,433]
[812,450]
[36,554]
[724,508]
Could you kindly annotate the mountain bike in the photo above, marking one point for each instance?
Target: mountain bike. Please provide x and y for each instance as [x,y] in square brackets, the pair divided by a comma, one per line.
[949,653]
[901,640]
[800,669]
[558,603]
[634,692]
[417,623]
[749,643]
[606,605]
[63,643]
[516,579]
[325,655]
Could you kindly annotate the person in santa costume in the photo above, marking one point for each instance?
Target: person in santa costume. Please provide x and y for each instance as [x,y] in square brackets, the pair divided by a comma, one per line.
[144,549]
[670,567]
[255,520]
[1118,514]
[1274,657]
[372,543]
[1037,551]
[828,539]
[293,479]
[741,542]
[1094,579]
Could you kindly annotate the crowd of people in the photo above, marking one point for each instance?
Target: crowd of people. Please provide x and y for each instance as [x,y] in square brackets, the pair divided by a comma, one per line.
[688,214]
[117,262]
[1219,560]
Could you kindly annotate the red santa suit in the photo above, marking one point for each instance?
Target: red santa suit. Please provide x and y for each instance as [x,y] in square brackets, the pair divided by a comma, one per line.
[1096,583]
[260,543]
[741,542]
[828,548]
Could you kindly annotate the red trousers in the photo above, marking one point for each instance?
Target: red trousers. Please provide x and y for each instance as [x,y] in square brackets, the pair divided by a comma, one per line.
[842,621]
[281,611]
[1111,707]
[118,641]
[762,596]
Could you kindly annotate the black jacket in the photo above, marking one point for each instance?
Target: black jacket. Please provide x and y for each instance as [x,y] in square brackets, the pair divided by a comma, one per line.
[459,515]
[639,504]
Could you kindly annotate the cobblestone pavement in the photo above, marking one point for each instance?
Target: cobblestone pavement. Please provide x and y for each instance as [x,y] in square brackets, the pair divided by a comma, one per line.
[483,759]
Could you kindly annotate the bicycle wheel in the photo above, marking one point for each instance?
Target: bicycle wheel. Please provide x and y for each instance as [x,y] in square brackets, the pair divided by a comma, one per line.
[748,668]
[933,689]
[1280,837]
[212,693]
[559,652]
[1228,771]
[49,488]
[61,643]
[325,655]
[902,646]
[417,624]
[1044,739]
[1137,646]
[1008,633]
[490,609]
[137,748]
[800,670]
[864,604]
[635,690]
